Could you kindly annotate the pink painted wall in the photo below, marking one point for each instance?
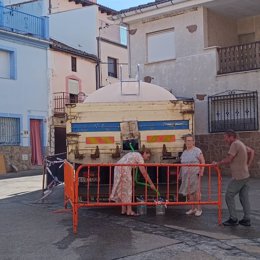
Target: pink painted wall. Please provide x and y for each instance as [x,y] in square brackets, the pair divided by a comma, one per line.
[61,72]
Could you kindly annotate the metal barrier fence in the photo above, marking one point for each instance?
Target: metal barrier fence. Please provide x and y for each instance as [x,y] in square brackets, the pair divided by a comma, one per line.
[91,185]
[53,173]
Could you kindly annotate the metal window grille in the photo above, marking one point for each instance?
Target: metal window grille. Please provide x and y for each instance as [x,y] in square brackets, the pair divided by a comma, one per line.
[9,131]
[237,111]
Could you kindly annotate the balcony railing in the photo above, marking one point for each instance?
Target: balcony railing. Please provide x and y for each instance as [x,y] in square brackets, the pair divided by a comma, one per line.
[61,99]
[23,23]
[238,58]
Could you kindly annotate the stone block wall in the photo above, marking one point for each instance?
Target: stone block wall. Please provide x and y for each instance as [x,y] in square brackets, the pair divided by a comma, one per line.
[18,156]
[214,148]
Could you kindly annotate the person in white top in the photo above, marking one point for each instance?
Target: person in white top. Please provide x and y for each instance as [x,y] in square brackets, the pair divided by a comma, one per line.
[190,176]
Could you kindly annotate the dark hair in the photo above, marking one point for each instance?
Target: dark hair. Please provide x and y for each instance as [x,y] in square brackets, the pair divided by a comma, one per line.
[188,135]
[231,132]
[145,150]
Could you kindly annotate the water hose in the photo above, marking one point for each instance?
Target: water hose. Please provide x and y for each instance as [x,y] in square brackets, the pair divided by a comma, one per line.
[137,176]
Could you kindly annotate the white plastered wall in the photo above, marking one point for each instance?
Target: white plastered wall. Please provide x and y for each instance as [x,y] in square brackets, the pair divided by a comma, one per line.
[194,71]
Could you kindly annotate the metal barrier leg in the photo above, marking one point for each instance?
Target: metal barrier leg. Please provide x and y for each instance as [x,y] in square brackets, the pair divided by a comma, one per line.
[43,177]
[219,215]
[75,219]
[219,197]
[65,202]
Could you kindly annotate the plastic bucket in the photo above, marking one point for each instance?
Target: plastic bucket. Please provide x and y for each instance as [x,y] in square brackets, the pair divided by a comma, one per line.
[160,210]
[142,209]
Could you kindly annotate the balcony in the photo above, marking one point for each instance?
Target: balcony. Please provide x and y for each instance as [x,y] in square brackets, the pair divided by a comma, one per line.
[22,23]
[61,99]
[243,57]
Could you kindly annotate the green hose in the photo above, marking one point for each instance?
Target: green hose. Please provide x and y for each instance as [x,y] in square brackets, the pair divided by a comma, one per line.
[136,175]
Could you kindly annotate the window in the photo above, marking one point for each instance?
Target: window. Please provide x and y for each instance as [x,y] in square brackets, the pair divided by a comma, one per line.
[233,111]
[74,64]
[7,63]
[73,90]
[161,46]
[123,35]
[9,131]
[73,98]
[112,67]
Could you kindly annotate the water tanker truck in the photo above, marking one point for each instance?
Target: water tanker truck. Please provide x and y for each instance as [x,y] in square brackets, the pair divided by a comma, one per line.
[121,117]
[101,129]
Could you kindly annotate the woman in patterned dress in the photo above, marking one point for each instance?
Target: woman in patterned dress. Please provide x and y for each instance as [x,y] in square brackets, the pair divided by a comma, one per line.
[122,187]
[190,176]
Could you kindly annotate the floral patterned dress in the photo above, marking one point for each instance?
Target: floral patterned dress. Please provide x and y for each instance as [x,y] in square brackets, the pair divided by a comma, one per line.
[189,175]
[122,187]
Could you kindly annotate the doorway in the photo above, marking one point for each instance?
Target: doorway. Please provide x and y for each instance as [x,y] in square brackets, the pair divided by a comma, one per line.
[36,141]
[60,140]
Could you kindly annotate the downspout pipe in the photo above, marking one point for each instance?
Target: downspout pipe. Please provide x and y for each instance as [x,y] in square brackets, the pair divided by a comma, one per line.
[97,76]
[50,6]
[98,60]
[129,52]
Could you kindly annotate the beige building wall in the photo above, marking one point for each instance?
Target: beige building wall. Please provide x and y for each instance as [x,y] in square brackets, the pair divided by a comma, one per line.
[222,30]
[113,48]
[108,29]
[194,71]
[257,28]
[226,31]
[120,54]
[171,74]
[250,28]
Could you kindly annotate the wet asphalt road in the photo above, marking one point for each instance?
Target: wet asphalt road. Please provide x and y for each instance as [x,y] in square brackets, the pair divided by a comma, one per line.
[31,229]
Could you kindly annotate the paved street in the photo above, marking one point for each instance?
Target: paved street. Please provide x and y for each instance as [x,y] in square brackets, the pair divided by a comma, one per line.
[34,230]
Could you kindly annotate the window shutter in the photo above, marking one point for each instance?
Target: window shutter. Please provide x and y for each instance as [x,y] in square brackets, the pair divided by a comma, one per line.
[73,86]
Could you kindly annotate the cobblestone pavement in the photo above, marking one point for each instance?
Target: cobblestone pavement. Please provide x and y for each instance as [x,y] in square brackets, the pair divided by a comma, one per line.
[185,244]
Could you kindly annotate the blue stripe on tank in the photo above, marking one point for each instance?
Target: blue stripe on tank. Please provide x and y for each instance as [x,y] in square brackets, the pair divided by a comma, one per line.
[142,126]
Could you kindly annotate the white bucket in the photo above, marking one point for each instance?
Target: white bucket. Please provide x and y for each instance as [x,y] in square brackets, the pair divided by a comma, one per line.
[142,209]
[160,209]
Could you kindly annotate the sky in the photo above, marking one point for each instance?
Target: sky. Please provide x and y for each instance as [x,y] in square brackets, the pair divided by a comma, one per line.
[122,4]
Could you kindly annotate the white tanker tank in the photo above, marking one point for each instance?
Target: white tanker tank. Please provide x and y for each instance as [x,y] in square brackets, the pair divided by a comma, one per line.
[143,114]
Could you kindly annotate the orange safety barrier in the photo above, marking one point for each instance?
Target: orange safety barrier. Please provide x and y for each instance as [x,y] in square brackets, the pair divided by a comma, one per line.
[91,185]
[69,192]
